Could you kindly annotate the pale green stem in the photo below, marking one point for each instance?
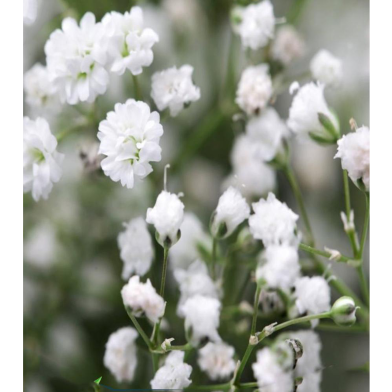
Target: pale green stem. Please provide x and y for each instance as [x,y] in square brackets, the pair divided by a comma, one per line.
[184,347]
[139,328]
[255,309]
[323,253]
[138,94]
[213,257]
[164,271]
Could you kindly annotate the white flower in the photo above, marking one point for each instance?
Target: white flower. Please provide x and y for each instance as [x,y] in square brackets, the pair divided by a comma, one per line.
[311,382]
[279,267]
[254,89]
[76,59]
[167,216]
[120,354]
[29,11]
[216,359]
[194,281]
[129,42]
[41,161]
[173,88]
[270,375]
[184,252]
[130,140]
[354,151]
[143,299]
[273,222]
[231,211]
[307,104]
[202,318]
[174,374]
[136,250]
[288,45]
[255,24]
[326,68]
[267,131]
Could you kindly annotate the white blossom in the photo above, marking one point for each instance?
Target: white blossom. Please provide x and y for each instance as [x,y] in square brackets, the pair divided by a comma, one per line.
[311,382]
[136,250]
[202,318]
[273,222]
[41,161]
[174,374]
[173,88]
[143,299]
[231,211]
[129,42]
[130,140]
[76,60]
[120,354]
[254,89]
[288,45]
[29,11]
[354,151]
[326,68]
[216,359]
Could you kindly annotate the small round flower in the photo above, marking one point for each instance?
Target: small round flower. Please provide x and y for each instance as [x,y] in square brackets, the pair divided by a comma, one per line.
[129,42]
[29,11]
[130,140]
[288,45]
[343,311]
[143,299]
[202,318]
[167,216]
[254,89]
[279,267]
[216,359]
[174,374]
[311,382]
[273,222]
[231,211]
[76,59]
[354,151]
[255,24]
[136,250]
[326,68]
[173,88]
[41,161]
[120,354]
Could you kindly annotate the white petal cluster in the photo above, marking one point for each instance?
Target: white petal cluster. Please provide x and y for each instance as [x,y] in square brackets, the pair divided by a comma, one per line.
[41,161]
[120,354]
[29,11]
[273,222]
[231,211]
[255,24]
[129,42]
[143,299]
[130,140]
[166,216]
[288,45]
[202,318]
[173,88]
[311,382]
[326,68]
[279,267]
[136,250]
[307,103]
[254,89]
[174,374]
[354,151]
[216,359]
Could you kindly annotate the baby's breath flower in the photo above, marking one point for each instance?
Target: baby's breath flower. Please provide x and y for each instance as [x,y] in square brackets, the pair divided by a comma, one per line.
[343,311]
[29,11]
[288,45]
[326,68]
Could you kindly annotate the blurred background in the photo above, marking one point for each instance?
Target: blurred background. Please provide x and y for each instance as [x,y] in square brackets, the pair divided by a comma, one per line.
[72,266]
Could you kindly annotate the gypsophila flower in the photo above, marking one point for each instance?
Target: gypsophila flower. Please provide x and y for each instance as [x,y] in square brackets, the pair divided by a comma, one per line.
[173,88]
[254,89]
[120,354]
[130,140]
[129,42]
[255,24]
[143,299]
[326,68]
[76,60]
[136,250]
[354,151]
[216,359]
[174,374]
[288,45]
[41,161]
[279,267]
[343,311]
[231,211]
[311,382]
[273,222]
[29,11]
[202,318]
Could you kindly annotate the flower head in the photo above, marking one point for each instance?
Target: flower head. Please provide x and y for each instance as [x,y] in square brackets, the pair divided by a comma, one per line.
[288,45]
[326,68]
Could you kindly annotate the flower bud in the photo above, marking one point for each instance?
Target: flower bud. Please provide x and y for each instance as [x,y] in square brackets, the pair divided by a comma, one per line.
[166,344]
[343,311]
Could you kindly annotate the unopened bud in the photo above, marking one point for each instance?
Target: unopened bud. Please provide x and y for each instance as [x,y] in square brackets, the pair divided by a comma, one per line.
[343,311]
[253,340]
[269,329]
[166,344]
[348,221]
[333,254]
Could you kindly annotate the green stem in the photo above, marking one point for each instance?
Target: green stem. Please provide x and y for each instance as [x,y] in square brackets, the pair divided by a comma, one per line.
[296,10]
[64,134]
[164,271]
[364,285]
[138,94]
[255,309]
[325,254]
[222,387]
[365,226]
[298,320]
[139,328]
[243,363]
[184,347]
[213,256]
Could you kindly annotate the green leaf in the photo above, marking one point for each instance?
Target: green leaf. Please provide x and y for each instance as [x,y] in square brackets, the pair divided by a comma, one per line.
[321,139]
[328,125]
[98,380]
